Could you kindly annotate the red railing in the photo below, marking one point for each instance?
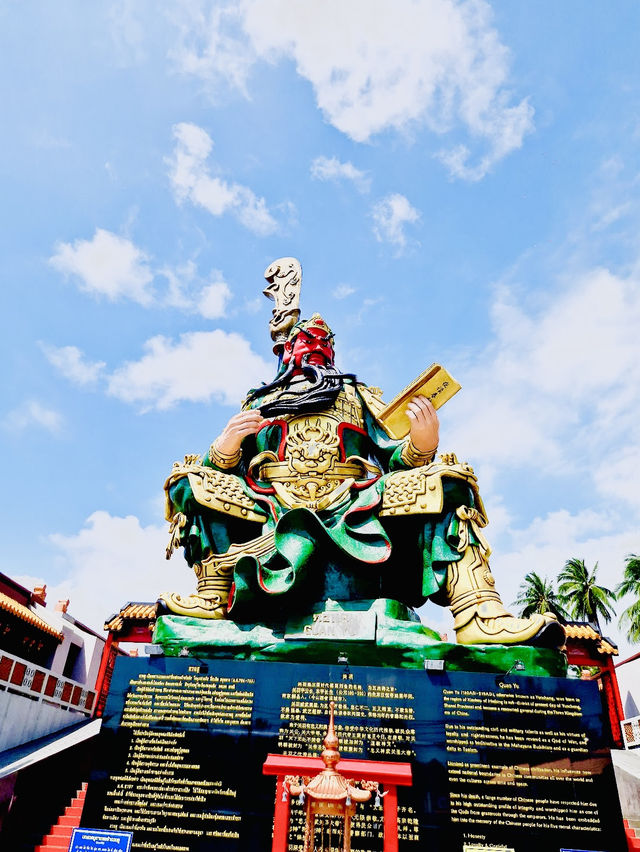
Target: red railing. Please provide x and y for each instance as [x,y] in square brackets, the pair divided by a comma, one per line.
[26,678]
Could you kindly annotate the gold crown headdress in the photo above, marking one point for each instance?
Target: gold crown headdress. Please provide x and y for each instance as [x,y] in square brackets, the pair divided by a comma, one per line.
[315,321]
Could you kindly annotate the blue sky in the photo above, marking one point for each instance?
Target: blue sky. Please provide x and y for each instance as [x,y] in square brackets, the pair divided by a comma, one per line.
[460,181]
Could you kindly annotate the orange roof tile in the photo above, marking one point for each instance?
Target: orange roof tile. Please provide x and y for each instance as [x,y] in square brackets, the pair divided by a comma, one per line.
[581,631]
[139,610]
[24,613]
[586,631]
[131,612]
[607,648]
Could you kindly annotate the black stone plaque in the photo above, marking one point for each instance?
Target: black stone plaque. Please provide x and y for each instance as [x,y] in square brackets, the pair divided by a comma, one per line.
[499,762]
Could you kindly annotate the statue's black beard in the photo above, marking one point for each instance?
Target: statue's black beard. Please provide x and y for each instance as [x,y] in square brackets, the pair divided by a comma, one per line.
[323,385]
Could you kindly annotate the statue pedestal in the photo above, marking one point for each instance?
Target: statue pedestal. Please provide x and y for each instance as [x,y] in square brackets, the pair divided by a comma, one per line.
[371,633]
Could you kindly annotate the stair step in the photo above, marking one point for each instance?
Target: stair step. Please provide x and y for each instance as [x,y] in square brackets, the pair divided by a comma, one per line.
[633,843]
[74,812]
[50,843]
[60,831]
[59,835]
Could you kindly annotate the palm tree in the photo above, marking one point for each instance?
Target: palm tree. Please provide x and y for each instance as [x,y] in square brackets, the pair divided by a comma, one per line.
[538,595]
[630,585]
[582,595]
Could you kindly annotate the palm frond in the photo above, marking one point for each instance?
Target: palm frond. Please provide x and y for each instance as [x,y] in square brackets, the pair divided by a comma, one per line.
[580,593]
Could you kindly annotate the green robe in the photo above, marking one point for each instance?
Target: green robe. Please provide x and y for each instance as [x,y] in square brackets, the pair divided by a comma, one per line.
[345,552]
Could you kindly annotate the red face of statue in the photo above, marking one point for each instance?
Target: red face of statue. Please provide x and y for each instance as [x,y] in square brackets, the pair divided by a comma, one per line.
[315,343]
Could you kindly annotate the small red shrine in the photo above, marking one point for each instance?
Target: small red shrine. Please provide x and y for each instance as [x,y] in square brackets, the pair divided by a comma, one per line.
[587,647]
[324,781]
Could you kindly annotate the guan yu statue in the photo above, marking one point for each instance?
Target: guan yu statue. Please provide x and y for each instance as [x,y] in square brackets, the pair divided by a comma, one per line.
[306,495]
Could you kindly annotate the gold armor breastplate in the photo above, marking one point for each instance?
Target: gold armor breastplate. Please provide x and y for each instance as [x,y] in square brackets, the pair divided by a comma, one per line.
[311,473]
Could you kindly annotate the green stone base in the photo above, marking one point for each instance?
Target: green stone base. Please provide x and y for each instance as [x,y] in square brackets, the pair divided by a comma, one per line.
[400,642]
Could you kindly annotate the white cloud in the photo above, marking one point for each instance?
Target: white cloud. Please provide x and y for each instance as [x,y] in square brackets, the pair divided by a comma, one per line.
[191,180]
[190,292]
[611,215]
[197,368]
[179,285]
[374,66]
[325,168]
[504,129]
[115,267]
[107,265]
[127,32]
[111,561]
[390,215]
[342,291]
[547,542]
[211,45]
[558,389]
[33,413]
[616,476]
[213,300]
[70,361]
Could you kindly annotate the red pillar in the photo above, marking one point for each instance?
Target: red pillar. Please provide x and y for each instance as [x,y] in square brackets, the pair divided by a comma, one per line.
[101,687]
[390,816]
[613,701]
[281,819]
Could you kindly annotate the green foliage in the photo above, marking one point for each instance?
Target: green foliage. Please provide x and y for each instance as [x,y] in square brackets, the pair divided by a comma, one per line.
[537,595]
[630,585]
[583,597]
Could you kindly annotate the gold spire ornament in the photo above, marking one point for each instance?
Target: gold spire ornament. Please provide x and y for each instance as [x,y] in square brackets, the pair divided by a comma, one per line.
[330,798]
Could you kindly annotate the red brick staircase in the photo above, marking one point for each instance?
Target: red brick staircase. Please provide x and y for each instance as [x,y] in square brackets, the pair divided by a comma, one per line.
[632,829]
[59,836]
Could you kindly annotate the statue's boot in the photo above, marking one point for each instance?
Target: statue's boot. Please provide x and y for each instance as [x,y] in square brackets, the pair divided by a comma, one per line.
[215,576]
[215,579]
[479,614]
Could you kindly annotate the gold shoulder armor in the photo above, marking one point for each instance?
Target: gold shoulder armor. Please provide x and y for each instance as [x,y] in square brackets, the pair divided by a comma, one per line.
[419,490]
[222,492]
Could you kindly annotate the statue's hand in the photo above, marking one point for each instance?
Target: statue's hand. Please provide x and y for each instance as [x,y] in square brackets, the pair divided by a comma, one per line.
[242,424]
[424,424]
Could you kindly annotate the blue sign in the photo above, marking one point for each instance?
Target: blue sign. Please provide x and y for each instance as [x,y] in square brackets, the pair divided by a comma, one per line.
[97,840]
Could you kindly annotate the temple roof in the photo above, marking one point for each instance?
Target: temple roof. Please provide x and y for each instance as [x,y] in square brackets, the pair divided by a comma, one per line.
[145,612]
[25,614]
